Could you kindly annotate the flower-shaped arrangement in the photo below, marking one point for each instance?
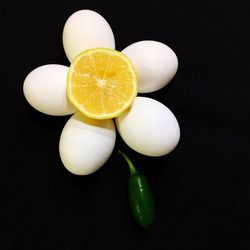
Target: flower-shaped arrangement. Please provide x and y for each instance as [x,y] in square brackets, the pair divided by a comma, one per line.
[100,89]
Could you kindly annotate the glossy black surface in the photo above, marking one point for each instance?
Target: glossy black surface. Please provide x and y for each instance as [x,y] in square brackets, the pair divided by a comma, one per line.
[201,189]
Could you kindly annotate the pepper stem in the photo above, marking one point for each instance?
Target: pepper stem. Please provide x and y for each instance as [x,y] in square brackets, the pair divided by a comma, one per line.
[130,164]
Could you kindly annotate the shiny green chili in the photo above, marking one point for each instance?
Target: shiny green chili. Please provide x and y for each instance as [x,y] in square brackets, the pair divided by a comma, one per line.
[141,199]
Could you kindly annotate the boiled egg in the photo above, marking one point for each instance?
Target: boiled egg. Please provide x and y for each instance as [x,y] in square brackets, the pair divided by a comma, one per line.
[149,127]
[45,90]
[86,29]
[155,63]
[86,144]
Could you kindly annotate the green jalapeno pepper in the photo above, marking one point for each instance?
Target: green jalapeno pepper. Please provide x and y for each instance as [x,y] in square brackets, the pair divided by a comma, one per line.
[141,199]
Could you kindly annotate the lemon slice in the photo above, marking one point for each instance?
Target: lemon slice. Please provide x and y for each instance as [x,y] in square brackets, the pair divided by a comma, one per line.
[102,83]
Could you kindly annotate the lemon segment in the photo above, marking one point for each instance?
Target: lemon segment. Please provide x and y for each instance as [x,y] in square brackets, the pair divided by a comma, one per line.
[102,83]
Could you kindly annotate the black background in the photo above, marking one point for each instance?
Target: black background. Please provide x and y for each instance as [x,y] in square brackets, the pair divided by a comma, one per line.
[202,189]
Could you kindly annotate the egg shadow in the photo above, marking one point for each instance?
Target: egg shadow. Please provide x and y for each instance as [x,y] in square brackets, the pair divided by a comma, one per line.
[45,121]
[63,58]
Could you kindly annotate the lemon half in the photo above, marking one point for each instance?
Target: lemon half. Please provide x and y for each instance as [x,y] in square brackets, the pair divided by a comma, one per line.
[102,83]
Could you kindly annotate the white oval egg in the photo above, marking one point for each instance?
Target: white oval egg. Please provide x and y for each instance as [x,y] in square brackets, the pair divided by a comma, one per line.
[155,63]
[149,127]
[45,90]
[86,144]
[86,29]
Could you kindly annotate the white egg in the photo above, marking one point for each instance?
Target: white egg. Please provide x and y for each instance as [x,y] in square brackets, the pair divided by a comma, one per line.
[149,127]
[155,63]
[86,29]
[45,90]
[86,144]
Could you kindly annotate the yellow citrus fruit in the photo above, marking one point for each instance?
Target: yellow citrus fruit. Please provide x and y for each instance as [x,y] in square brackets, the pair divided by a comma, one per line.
[102,83]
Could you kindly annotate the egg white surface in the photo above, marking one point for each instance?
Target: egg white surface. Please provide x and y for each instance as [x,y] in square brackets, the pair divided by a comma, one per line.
[45,90]
[155,63]
[86,144]
[149,127]
[86,29]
